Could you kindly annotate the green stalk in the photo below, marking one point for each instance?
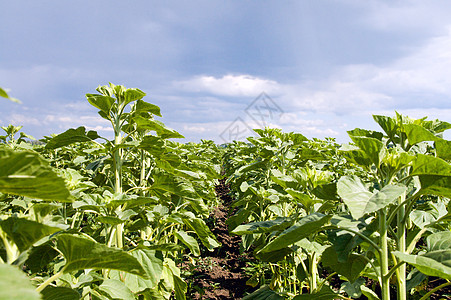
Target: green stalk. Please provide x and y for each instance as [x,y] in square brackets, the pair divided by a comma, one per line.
[49,281]
[385,284]
[434,290]
[117,157]
[401,233]
[313,273]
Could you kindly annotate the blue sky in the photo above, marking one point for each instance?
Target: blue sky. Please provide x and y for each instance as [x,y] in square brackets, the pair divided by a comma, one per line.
[327,64]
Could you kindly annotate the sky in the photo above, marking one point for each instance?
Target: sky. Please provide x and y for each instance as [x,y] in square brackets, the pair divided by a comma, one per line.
[217,69]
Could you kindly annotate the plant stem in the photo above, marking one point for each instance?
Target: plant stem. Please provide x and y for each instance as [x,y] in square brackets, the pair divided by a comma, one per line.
[313,273]
[49,281]
[401,234]
[434,290]
[385,284]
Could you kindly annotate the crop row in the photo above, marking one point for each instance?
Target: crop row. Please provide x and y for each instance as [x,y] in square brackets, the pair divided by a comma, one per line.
[84,217]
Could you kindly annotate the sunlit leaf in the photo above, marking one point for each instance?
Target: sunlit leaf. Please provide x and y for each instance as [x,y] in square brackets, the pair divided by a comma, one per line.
[14,284]
[82,253]
[24,233]
[361,201]
[303,228]
[26,173]
[71,136]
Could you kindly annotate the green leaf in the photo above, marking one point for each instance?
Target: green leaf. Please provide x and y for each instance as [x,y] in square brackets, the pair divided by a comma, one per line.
[443,148]
[416,134]
[366,133]
[264,293]
[203,232]
[116,289]
[388,124]
[152,262]
[104,103]
[14,284]
[109,220]
[277,224]
[326,293]
[326,191]
[71,136]
[439,241]
[302,198]
[361,201]
[373,148]
[157,126]
[274,256]
[430,165]
[145,107]
[40,257]
[353,289]
[370,294]
[26,173]
[351,268]
[82,253]
[181,288]
[302,229]
[165,247]
[189,242]
[4,94]
[24,233]
[435,185]
[59,293]
[153,144]
[132,94]
[434,263]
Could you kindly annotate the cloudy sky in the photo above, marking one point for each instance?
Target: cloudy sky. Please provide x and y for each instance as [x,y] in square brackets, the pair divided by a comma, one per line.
[324,66]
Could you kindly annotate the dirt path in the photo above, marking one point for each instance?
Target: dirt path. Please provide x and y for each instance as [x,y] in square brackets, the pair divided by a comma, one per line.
[220,274]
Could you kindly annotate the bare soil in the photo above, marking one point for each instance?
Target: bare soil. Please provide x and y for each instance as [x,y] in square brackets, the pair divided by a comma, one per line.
[219,274]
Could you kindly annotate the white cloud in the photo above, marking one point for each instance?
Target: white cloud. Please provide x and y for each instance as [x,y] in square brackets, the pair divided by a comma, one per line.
[230,85]
[420,80]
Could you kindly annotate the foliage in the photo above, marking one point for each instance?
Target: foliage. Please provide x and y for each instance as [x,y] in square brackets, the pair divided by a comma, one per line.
[85,217]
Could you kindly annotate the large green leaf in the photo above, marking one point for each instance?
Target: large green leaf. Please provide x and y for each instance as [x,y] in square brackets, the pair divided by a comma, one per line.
[388,124]
[439,241]
[274,256]
[153,144]
[434,263]
[326,293]
[351,268]
[131,94]
[443,148]
[302,229]
[39,257]
[59,293]
[71,136]
[366,133]
[145,107]
[116,289]
[430,165]
[373,148]
[157,126]
[26,173]
[361,201]
[82,253]
[24,233]
[277,224]
[104,103]
[302,198]
[435,185]
[14,284]
[203,232]
[189,242]
[264,293]
[416,134]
